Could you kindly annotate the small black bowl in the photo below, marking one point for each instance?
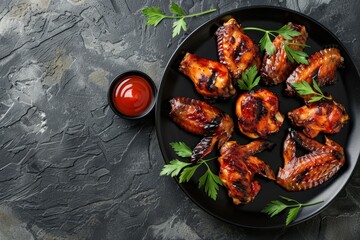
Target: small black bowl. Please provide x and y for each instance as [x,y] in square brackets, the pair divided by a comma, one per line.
[122,77]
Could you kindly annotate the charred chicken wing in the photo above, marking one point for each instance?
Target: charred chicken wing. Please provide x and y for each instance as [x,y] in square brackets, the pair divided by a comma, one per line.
[258,113]
[211,79]
[236,50]
[200,118]
[322,65]
[312,169]
[238,167]
[316,117]
[276,68]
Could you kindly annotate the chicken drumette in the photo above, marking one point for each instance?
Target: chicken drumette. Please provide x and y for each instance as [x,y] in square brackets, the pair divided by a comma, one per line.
[312,169]
[258,113]
[211,79]
[200,118]
[236,50]
[323,116]
[238,167]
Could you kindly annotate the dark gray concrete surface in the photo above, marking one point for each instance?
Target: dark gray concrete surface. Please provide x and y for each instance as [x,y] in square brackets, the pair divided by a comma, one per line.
[70,169]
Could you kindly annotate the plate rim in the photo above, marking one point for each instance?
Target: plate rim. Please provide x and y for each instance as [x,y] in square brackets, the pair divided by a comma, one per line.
[351,103]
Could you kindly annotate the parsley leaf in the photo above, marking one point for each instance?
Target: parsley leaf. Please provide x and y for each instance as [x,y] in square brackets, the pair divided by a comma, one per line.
[304,88]
[295,55]
[173,168]
[178,25]
[317,88]
[155,15]
[188,173]
[267,45]
[176,9]
[181,149]
[248,80]
[293,213]
[275,207]
[287,32]
[211,182]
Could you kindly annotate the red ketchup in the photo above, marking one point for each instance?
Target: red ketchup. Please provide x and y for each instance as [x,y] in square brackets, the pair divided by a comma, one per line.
[132,96]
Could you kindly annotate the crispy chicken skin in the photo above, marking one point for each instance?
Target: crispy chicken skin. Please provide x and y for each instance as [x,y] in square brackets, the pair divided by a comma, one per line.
[277,67]
[238,167]
[211,79]
[322,65]
[258,113]
[236,50]
[200,118]
[312,169]
[324,116]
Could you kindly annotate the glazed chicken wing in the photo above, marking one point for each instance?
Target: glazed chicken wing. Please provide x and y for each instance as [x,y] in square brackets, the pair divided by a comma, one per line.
[322,64]
[211,79]
[258,113]
[236,50]
[200,118]
[276,68]
[316,117]
[238,167]
[312,169]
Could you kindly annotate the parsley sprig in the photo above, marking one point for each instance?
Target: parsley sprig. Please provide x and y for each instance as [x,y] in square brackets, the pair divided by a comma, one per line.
[275,207]
[304,88]
[287,32]
[186,170]
[296,55]
[155,15]
[248,80]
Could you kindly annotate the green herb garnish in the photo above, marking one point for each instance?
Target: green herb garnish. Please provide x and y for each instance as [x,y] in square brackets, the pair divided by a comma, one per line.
[304,88]
[296,55]
[275,207]
[248,80]
[173,168]
[287,32]
[181,149]
[155,15]
[186,170]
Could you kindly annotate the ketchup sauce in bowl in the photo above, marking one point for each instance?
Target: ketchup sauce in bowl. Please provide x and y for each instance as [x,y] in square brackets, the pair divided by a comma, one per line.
[132,95]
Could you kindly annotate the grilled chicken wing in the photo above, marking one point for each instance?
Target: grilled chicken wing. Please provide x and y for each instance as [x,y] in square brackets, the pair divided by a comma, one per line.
[258,113]
[322,64]
[236,50]
[316,117]
[211,79]
[238,167]
[200,118]
[312,169]
[276,68]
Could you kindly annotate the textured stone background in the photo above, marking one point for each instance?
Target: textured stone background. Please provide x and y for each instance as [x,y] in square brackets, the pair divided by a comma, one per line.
[70,169]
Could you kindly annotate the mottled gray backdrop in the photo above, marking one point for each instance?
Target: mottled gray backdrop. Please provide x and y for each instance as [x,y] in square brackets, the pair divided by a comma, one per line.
[70,169]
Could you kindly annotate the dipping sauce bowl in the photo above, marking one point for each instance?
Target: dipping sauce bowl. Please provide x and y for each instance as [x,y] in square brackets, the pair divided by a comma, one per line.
[132,95]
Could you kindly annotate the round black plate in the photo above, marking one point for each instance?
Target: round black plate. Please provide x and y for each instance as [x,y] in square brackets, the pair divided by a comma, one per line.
[202,42]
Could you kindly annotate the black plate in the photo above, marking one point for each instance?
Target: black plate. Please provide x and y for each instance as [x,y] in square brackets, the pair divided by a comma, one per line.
[346,91]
